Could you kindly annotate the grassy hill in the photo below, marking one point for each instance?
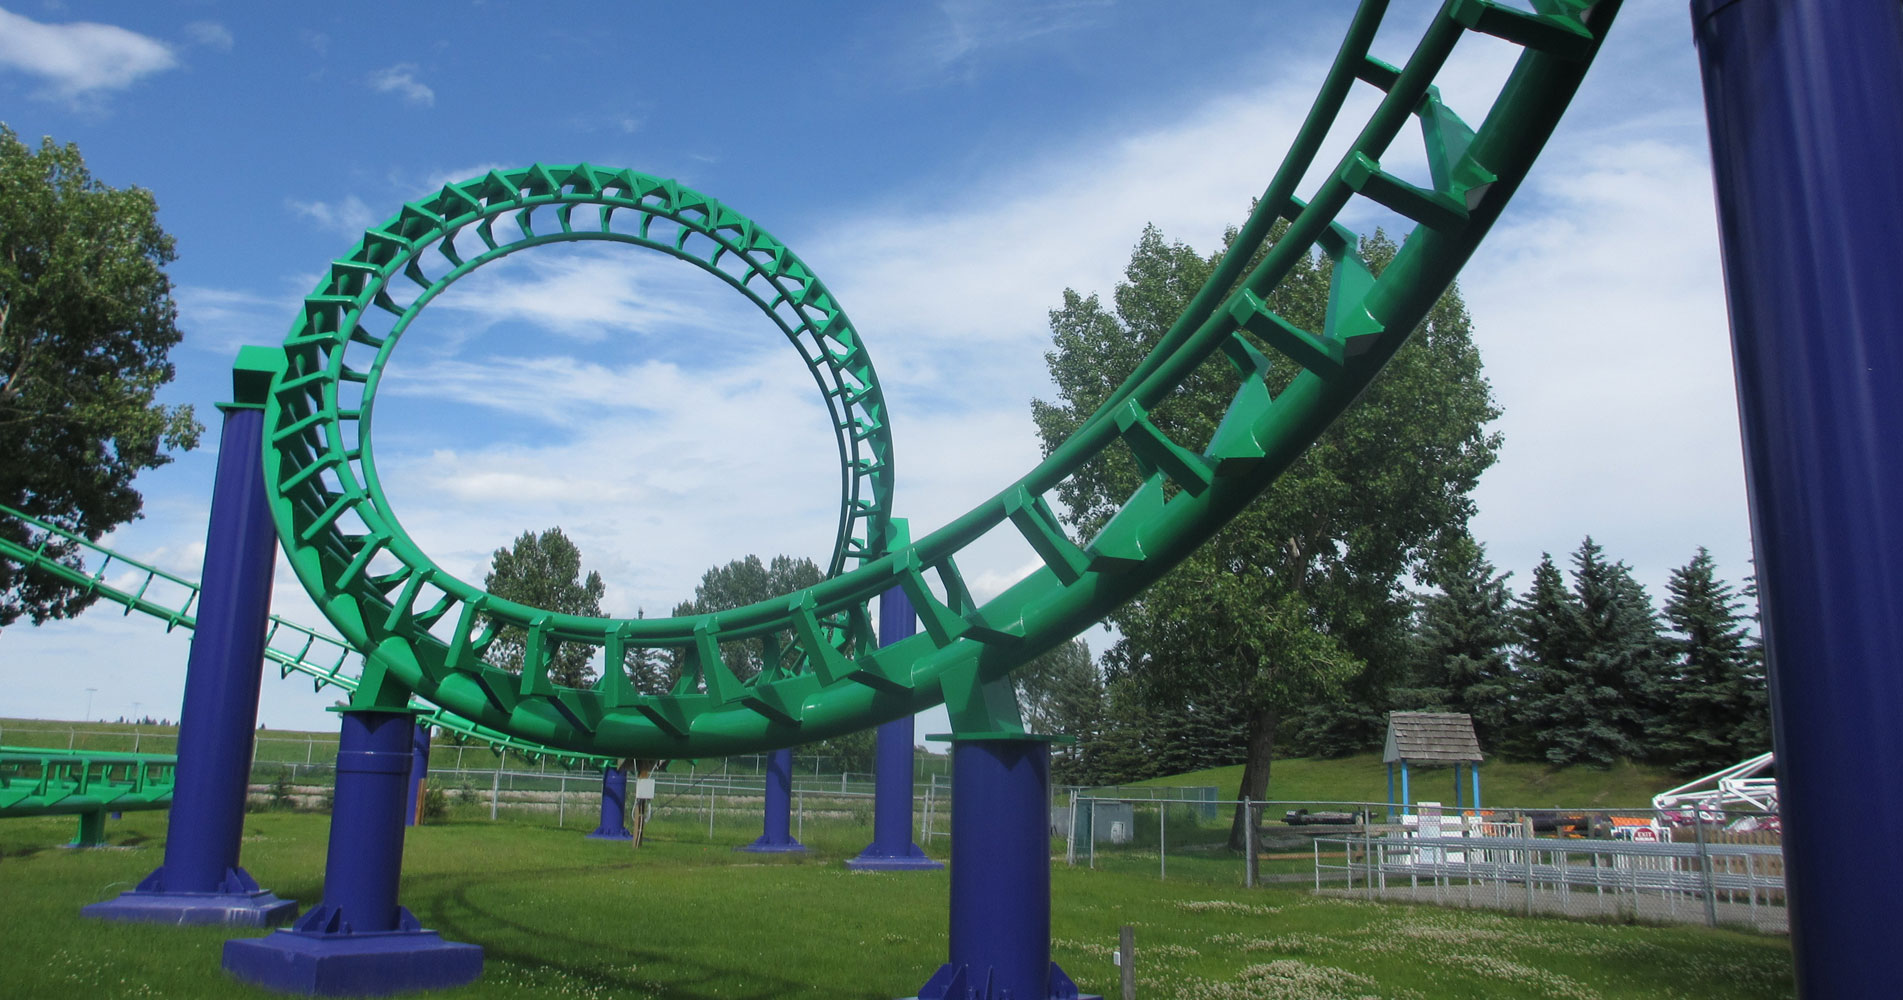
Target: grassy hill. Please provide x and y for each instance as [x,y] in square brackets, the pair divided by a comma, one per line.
[1363,778]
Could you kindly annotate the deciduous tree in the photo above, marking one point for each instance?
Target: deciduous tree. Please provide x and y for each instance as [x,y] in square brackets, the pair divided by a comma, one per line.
[1290,600]
[743,582]
[86,322]
[544,571]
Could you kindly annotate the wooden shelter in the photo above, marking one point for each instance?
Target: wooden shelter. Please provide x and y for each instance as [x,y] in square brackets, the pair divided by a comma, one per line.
[1434,739]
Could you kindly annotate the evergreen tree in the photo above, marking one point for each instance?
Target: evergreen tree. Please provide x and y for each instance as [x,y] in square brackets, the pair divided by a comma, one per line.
[1544,640]
[1597,665]
[1144,736]
[1463,634]
[1061,694]
[1718,713]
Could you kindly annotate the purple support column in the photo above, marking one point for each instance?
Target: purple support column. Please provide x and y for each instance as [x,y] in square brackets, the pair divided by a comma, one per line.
[892,847]
[1000,876]
[359,940]
[200,881]
[419,773]
[1805,101]
[614,806]
[777,837]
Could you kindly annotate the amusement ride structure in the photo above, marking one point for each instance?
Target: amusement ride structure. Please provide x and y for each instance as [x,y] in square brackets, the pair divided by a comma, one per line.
[297,470]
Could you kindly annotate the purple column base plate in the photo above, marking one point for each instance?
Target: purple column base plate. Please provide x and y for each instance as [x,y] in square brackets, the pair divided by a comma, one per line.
[955,983]
[873,859]
[372,964]
[242,904]
[765,846]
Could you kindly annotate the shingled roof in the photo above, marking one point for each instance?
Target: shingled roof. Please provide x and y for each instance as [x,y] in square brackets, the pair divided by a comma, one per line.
[1431,738]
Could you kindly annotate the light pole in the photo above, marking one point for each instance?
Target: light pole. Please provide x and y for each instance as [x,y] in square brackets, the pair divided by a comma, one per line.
[88,717]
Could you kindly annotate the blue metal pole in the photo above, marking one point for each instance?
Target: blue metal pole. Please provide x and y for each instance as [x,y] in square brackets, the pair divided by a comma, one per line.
[359,940]
[419,773]
[614,806]
[364,862]
[776,836]
[1805,102]
[1473,771]
[1000,876]
[892,847]
[1404,791]
[200,881]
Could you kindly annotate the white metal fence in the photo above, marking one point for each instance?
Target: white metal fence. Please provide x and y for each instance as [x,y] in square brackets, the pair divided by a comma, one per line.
[1703,882]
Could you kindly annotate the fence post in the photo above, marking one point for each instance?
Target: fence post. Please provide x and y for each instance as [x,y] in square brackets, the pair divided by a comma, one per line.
[1070,835]
[495,791]
[1529,871]
[1162,836]
[1704,866]
[1248,843]
[1093,833]
[1127,960]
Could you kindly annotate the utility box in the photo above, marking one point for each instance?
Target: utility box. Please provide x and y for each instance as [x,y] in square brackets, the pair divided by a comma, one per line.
[1112,822]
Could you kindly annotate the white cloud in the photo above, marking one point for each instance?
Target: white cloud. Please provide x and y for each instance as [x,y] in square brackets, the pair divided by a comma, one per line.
[81,58]
[349,217]
[211,35]
[223,319]
[654,471]
[443,178]
[401,80]
[969,29]
[585,296]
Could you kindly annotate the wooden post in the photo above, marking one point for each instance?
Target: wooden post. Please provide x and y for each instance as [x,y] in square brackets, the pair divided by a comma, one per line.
[1127,960]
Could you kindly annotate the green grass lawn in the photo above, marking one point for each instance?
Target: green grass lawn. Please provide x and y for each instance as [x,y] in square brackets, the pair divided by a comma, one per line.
[563,916]
[1363,778]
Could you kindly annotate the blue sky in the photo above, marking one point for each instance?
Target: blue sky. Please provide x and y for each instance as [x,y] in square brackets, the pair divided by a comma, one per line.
[947,169]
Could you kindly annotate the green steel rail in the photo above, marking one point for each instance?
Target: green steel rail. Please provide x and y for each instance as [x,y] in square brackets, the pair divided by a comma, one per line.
[426,630]
[38,781]
[294,648]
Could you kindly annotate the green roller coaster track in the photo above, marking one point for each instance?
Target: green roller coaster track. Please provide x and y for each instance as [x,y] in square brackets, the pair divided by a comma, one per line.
[36,781]
[135,586]
[425,631]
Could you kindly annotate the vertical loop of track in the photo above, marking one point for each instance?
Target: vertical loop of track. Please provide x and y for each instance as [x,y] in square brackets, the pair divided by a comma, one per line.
[422,626]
